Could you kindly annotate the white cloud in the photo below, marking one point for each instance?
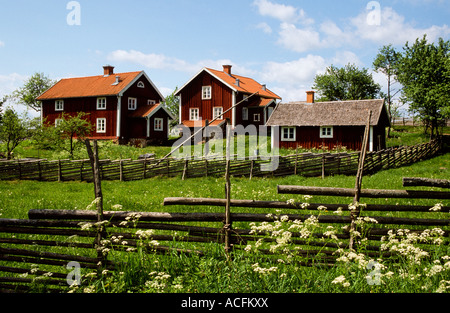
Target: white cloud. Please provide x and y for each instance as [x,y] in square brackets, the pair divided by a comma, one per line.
[394,29]
[282,12]
[299,40]
[264,27]
[151,60]
[2,44]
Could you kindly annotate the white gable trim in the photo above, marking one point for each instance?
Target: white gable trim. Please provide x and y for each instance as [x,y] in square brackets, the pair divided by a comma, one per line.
[210,73]
[135,80]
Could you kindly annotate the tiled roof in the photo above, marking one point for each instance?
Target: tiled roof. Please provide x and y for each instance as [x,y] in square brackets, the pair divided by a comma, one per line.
[246,84]
[92,86]
[201,123]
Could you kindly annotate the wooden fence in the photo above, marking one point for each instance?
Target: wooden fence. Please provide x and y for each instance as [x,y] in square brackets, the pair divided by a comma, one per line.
[306,164]
[73,236]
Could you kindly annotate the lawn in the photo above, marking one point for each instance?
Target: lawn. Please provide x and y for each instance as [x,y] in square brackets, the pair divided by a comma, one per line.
[248,272]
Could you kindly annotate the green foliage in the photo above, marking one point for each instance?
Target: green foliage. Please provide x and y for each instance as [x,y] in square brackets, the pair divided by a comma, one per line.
[36,85]
[172,104]
[14,130]
[347,83]
[72,127]
[424,72]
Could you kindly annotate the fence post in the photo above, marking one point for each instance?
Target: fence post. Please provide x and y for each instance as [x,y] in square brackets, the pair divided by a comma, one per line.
[93,156]
[227,226]
[121,170]
[185,169]
[354,214]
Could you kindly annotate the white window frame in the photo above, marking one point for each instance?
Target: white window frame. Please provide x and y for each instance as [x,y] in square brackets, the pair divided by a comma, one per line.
[151,102]
[158,124]
[140,85]
[217,111]
[58,121]
[101,125]
[245,114]
[257,117]
[324,133]
[194,116]
[132,104]
[59,105]
[101,103]
[290,131]
[206,92]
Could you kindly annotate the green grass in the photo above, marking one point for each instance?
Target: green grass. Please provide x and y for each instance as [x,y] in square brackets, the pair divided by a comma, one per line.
[213,273]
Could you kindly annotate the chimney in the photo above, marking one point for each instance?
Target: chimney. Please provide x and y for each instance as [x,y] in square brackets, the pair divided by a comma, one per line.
[310,96]
[264,87]
[227,69]
[117,81]
[108,70]
[238,82]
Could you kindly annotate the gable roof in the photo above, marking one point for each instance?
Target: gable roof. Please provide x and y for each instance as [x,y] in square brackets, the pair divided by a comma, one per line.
[148,111]
[246,84]
[94,86]
[333,113]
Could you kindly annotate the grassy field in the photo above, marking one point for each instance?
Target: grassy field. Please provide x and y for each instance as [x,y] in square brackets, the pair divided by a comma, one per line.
[248,272]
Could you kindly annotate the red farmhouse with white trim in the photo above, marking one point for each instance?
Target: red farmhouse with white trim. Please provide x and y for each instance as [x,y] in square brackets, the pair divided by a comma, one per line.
[211,92]
[125,107]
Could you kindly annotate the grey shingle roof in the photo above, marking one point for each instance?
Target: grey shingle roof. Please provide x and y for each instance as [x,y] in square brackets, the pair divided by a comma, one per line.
[335,113]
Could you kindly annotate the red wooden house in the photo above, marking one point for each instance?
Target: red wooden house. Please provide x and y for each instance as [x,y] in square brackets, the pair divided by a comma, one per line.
[330,125]
[210,93]
[125,107]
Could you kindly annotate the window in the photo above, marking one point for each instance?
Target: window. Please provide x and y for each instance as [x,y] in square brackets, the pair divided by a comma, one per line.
[256,117]
[150,102]
[194,114]
[101,125]
[101,103]
[326,132]
[288,134]
[245,114]
[58,122]
[217,112]
[159,124]
[132,103]
[59,105]
[141,85]
[206,92]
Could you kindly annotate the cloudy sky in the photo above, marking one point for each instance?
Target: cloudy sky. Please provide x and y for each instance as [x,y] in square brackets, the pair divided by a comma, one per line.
[281,43]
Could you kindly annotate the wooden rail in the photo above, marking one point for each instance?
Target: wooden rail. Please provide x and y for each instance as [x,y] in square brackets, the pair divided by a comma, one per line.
[305,164]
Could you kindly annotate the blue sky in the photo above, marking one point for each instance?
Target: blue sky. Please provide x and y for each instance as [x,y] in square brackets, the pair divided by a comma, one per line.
[282,43]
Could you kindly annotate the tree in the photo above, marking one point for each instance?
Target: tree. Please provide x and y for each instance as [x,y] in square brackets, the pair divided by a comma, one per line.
[33,88]
[172,104]
[386,62]
[71,127]
[14,130]
[347,83]
[424,72]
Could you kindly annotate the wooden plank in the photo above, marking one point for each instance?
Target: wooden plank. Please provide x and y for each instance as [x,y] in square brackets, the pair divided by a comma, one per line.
[418,181]
[365,193]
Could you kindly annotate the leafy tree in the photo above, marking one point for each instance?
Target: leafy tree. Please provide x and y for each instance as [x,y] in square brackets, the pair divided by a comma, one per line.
[386,62]
[14,130]
[172,104]
[72,127]
[347,83]
[424,72]
[33,88]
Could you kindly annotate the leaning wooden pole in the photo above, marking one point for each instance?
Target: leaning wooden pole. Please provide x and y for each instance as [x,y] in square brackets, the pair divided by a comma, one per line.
[355,212]
[227,226]
[95,163]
